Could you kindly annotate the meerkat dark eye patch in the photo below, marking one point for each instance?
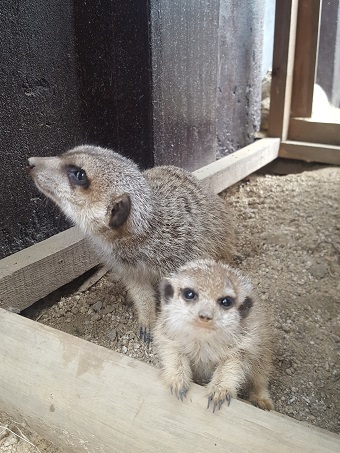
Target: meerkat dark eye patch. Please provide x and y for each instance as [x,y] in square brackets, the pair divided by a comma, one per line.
[120,211]
[226,302]
[166,290]
[77,176]
[189,294]
[244,309]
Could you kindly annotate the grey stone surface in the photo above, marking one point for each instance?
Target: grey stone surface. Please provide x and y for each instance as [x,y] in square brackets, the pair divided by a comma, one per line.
[39,112]
[239,78]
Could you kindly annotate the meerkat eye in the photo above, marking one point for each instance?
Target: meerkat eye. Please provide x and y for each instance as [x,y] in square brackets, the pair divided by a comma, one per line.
[226,302]
[77,176]
[189,294]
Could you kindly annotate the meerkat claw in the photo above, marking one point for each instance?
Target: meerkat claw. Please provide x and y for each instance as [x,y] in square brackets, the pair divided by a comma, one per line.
[209,401]
[228,399]
[183,393]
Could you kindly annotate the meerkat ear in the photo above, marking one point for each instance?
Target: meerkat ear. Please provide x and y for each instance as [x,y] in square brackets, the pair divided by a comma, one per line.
[120,211]
[166,290]
[244,309]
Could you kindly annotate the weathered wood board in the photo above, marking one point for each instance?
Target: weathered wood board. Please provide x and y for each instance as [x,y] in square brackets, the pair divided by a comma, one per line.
[84,397]
[32,273]
[310,152]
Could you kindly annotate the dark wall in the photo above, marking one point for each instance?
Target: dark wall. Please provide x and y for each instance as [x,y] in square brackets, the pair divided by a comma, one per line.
[39,112]
[163,82]
[113,60]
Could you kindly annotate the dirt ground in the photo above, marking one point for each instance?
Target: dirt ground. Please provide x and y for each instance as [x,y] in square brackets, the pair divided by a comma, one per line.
[289,243]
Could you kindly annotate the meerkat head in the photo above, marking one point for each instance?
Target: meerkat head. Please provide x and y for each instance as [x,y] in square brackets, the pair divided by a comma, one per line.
[99,190]
[206,295]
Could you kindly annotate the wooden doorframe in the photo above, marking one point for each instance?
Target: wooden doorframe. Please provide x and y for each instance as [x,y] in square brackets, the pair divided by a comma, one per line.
[296,39]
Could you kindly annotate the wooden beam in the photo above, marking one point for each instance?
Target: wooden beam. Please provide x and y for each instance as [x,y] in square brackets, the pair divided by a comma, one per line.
[306,50]
[308,130]
[310,152]
[84,397]
[283,65]
[233,168]
[31,274]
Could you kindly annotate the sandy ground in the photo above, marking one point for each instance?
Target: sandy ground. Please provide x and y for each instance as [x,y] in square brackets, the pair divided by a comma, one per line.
[289,243]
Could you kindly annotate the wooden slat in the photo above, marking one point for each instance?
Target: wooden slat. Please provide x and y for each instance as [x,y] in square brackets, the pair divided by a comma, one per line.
[31,274]
[282,68]
[84,397]
[308,130]
[310,152]
[230,169]
[306,50]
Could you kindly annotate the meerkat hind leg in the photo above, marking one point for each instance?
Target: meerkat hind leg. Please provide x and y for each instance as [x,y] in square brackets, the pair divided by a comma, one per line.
[259,394]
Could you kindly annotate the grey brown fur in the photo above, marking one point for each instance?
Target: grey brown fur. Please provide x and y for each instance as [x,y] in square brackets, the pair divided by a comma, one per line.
[226,347]
[143,224]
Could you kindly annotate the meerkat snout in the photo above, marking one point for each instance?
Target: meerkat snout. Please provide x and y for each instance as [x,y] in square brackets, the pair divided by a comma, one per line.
[205,316]
[213,333]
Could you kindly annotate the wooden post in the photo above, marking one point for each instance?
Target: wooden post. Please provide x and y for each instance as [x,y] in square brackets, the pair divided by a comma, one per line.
[283,65]
[306,50]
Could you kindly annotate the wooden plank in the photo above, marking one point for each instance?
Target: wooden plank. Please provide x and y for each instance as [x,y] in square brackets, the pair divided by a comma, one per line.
[88,398]
[310,152]
[230,169]
[308,130]
[283,66]
[31,274]
[306,50]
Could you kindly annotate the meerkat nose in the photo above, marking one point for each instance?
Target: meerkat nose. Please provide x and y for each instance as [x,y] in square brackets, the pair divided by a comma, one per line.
[30,164]
[204,316]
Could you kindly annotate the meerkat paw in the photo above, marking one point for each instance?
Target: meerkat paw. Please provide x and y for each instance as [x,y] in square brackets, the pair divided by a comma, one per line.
[145,333]
[218,395]
[179,389]
[263,403]
[178,385]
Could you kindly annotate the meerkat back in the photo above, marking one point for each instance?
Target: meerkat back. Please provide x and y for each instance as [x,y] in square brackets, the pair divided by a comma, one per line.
[193,212]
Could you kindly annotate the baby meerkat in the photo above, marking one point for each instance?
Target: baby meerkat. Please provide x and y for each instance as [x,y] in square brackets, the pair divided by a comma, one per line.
[144,224]
[211,331]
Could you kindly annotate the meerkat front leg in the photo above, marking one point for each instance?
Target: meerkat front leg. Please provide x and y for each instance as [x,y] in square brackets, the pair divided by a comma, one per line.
[143,296]
[225,383]
[175,366]
[176,370]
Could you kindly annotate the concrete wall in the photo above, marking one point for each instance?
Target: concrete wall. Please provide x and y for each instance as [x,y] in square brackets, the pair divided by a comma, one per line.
[239,77]
[75,72]
[39,111]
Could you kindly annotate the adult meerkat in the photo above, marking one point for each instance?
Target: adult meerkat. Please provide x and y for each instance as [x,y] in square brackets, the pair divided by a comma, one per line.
[143,224]
[211,331]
